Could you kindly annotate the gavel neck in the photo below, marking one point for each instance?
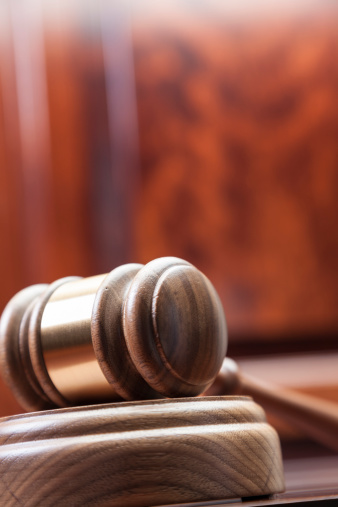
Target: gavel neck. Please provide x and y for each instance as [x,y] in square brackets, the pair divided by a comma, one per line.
[314,417]
[228,380]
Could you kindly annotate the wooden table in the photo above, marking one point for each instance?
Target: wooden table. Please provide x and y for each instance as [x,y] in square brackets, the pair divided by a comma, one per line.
[310,481]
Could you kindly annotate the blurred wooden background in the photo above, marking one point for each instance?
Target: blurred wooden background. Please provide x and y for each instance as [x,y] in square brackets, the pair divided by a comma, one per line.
[200,129]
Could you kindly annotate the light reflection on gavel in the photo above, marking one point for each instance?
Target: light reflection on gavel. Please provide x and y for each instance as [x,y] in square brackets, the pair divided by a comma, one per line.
[140,332]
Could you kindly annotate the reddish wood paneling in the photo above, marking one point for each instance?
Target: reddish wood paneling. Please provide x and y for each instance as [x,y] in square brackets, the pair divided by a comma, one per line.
[238,118]
[236,110]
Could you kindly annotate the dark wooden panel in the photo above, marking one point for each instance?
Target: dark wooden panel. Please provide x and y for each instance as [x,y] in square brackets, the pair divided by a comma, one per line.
[238,117]
[238,156]
[238,121]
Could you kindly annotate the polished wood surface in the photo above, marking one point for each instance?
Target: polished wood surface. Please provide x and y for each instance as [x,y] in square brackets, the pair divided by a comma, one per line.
[313,374]
[315,418]
[108,336]
[141,332]
[326,499]
[140,454]
[16,367]
[164,335]
[178,349]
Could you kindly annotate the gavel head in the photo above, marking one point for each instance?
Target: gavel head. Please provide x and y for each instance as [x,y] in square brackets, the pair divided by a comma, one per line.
[140,332]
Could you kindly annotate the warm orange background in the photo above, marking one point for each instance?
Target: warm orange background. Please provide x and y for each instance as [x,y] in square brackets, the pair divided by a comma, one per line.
[201,130]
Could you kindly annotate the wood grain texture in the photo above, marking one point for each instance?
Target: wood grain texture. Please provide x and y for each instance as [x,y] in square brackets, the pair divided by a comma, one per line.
[15,363]
[37,400]
[145,332]
[140,455]
[172,313]
[108,336]
[140,332]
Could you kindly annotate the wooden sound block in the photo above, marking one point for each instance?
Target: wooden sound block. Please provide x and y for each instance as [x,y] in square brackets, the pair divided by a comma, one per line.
[140,454]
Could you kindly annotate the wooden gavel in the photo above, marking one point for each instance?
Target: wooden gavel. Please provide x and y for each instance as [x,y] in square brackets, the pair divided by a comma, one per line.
[140,332]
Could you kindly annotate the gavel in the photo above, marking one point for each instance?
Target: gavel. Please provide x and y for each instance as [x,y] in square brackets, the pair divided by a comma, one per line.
[137,333]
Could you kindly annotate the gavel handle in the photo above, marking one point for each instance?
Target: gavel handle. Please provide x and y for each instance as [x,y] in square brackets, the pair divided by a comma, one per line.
[316,418]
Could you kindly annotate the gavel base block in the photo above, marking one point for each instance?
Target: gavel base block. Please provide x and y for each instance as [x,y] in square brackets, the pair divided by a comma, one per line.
[140,454]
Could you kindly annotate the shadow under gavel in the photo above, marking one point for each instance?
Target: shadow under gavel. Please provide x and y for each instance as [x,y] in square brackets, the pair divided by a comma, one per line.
[140,332]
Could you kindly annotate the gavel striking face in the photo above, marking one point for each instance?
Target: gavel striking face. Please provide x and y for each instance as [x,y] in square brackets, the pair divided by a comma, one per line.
[140,332]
